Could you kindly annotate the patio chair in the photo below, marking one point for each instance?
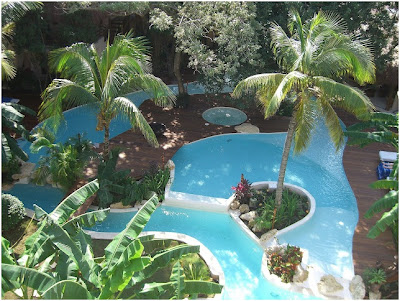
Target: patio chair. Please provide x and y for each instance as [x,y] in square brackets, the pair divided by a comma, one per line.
[385,165]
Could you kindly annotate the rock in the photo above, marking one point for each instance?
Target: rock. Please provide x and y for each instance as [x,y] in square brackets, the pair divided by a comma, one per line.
[170,164]
[252,222]
[301,275]
[357,288]
[119,205]
[244,208]
[329,286]
[267,236]
[249,216]
[375,295]
[257,228]
[6,186]
[247,128]
[235,205]
[25,171]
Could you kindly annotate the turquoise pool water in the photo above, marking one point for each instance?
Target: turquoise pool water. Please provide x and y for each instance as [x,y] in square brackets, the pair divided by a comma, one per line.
[224,116]
[210,167]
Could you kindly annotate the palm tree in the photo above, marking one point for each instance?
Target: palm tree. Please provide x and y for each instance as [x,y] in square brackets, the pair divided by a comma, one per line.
[102,80]
[11,11]
[316,56]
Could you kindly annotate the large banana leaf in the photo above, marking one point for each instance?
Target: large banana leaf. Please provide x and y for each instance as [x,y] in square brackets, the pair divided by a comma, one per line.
[385,184]
[388,219]
[118,245]
[67,289]
[388,201]
[71,203]
[178,279]
[163,259]
[201,287]
[60,238]
[88,220]
[119,275]
[14,276]
[6,252]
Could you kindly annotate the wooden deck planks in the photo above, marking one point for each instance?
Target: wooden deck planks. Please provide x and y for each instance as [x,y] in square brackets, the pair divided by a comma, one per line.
[187,125]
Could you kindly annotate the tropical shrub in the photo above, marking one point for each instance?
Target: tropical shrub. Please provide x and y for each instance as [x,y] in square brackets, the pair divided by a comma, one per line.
[11,122]
[155,179]
[374,275]
[64,162]
[243,191]
[294,207]
[381,128]
[58,261]
[12,211]
[10,168]
[284,261]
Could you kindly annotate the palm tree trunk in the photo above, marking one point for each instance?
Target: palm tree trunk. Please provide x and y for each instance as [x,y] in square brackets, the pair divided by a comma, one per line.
[106,145]
[177,71]
[285,158]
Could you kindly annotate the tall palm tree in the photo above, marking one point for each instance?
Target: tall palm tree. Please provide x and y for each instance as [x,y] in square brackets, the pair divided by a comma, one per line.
[103,80]
[11,12]
[316,56]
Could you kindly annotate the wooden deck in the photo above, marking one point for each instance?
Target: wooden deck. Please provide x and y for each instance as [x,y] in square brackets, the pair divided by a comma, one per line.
[187,125]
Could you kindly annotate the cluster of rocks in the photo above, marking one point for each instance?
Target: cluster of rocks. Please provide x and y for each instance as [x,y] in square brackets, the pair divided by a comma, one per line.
[246,215]
[25,174]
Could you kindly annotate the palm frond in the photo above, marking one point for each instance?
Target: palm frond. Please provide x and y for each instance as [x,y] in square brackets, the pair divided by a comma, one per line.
[8,70]
[351,99]
[294,78]
[332,122]
[305,121]
[77,63]
[254,83]
[286,50]
[12,11]
[62,94]
[154,86]
[128,109]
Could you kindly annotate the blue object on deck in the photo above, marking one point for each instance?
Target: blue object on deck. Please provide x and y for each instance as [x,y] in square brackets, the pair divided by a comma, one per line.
[9,99]
[383,172]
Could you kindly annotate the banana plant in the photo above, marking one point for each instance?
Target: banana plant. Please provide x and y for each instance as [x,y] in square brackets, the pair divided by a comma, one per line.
[384,130]
[59,263]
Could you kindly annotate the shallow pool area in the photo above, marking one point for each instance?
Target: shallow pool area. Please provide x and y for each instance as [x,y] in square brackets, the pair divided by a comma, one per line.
[224,116]
[210,167]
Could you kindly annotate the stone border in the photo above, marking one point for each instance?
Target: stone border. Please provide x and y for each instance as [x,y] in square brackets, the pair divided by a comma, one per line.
[212,262]
[272,184]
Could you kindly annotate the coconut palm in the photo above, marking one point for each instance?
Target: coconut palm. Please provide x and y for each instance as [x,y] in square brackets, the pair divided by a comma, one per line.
[102,80]
[316,56]
[11,11]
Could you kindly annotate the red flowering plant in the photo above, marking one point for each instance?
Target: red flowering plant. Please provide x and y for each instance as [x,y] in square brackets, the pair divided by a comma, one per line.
[284,264]
[243,191]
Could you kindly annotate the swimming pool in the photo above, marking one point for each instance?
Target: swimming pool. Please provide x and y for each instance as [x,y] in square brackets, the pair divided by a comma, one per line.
[319,170]
[224,116]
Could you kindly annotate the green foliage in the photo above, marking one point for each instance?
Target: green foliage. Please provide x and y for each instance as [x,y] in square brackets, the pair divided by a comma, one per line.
[103,80]
[156,179]
[75,27]
[374,275]
[64,162]
[243,191]
[10,168]
[58,260]
[212,34]
[293,208]
[11,122]
[12,211]
[381,128]
[284,262]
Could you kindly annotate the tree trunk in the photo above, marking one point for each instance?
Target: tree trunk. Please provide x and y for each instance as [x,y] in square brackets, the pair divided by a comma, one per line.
[106,145]
[285,157]
[177,71]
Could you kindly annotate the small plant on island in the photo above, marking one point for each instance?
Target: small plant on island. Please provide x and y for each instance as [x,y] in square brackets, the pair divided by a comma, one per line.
[374,278]
[283,262]
[243,191]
